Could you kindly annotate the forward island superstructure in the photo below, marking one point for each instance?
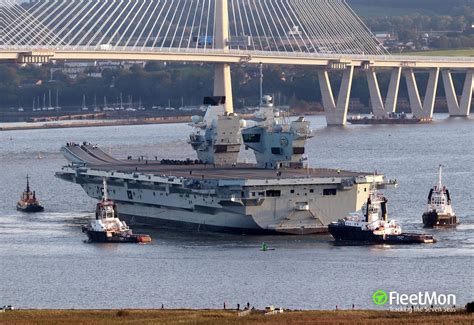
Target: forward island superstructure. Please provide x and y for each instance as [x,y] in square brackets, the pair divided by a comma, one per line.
[278,194]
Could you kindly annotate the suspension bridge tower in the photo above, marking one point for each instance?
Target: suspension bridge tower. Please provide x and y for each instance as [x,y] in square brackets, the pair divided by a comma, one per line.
[222,78]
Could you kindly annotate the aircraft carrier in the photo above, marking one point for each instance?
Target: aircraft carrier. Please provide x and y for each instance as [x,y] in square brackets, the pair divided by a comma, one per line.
[214,192]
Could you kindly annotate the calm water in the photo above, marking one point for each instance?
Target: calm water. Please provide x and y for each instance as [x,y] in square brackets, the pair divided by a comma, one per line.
[44,262]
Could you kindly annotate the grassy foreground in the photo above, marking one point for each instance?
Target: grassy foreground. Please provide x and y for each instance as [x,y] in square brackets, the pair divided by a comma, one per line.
[227,317]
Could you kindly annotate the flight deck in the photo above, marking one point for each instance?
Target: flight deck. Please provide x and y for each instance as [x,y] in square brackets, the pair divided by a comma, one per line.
[95,158]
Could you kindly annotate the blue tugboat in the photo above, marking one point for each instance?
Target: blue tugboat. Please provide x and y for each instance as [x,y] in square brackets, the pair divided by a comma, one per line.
[28,201]
[371,226]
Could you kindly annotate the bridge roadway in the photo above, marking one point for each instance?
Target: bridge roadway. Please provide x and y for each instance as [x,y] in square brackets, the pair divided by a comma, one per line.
[332,61]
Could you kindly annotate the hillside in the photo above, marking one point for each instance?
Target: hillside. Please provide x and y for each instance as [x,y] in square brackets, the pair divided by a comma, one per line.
[369,8]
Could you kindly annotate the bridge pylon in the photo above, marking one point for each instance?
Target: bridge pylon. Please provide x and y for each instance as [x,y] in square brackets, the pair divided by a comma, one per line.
[455,107]
[379,108]
[222,74]
[336,110]
[419,109]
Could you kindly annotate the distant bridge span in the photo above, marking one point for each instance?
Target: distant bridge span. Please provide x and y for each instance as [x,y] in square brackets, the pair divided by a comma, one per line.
[325,34]
[335,61]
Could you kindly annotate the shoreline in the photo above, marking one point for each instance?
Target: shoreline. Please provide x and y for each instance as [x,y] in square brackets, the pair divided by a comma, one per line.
[102,123]
[119,122]
[215,316]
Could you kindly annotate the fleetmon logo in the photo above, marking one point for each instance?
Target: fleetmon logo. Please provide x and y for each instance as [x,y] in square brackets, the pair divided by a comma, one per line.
[379,297]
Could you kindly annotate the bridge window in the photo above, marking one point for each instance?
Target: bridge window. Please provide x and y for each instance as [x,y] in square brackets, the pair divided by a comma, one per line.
[273,193]
[252,138]
[220,148]
[130,195]
[298,151]
[276,151]
[329,191]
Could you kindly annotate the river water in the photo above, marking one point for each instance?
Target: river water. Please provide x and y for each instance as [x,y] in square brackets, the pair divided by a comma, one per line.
[44,262]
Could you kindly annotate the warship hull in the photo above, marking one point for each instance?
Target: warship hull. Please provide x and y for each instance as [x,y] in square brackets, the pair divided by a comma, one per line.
[185,226]
[238,199]
[201,222]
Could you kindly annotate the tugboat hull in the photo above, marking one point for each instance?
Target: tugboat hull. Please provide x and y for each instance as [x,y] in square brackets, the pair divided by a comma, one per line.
[101,237]
[30,208]
[434,220]
[344,233]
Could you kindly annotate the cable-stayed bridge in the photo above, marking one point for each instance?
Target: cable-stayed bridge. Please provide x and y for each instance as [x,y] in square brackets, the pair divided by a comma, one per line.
[326,34]
[302,26]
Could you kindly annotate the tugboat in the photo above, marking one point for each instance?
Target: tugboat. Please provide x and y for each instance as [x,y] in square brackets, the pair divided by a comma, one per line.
[107,227]
[28,201]
[439,212]
[371,226]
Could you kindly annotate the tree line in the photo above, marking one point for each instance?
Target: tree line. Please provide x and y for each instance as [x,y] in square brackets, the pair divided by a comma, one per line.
[454,16]
[176,84]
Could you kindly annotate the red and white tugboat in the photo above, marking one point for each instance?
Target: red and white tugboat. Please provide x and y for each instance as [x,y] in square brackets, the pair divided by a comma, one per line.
[107,227]
[371,226]
[28,201]
[439,212]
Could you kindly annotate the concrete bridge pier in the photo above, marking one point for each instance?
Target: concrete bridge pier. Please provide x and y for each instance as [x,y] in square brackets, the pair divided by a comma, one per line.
[336,112]
[419,109]
[455,108]
[222,75]
[223,85]
[379,108]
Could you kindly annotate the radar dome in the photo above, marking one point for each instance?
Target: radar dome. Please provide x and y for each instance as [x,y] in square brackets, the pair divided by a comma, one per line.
[278,128]
[196,119]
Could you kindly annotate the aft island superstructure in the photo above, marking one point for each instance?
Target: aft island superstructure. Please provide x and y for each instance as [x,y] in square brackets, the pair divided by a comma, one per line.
[278,194]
